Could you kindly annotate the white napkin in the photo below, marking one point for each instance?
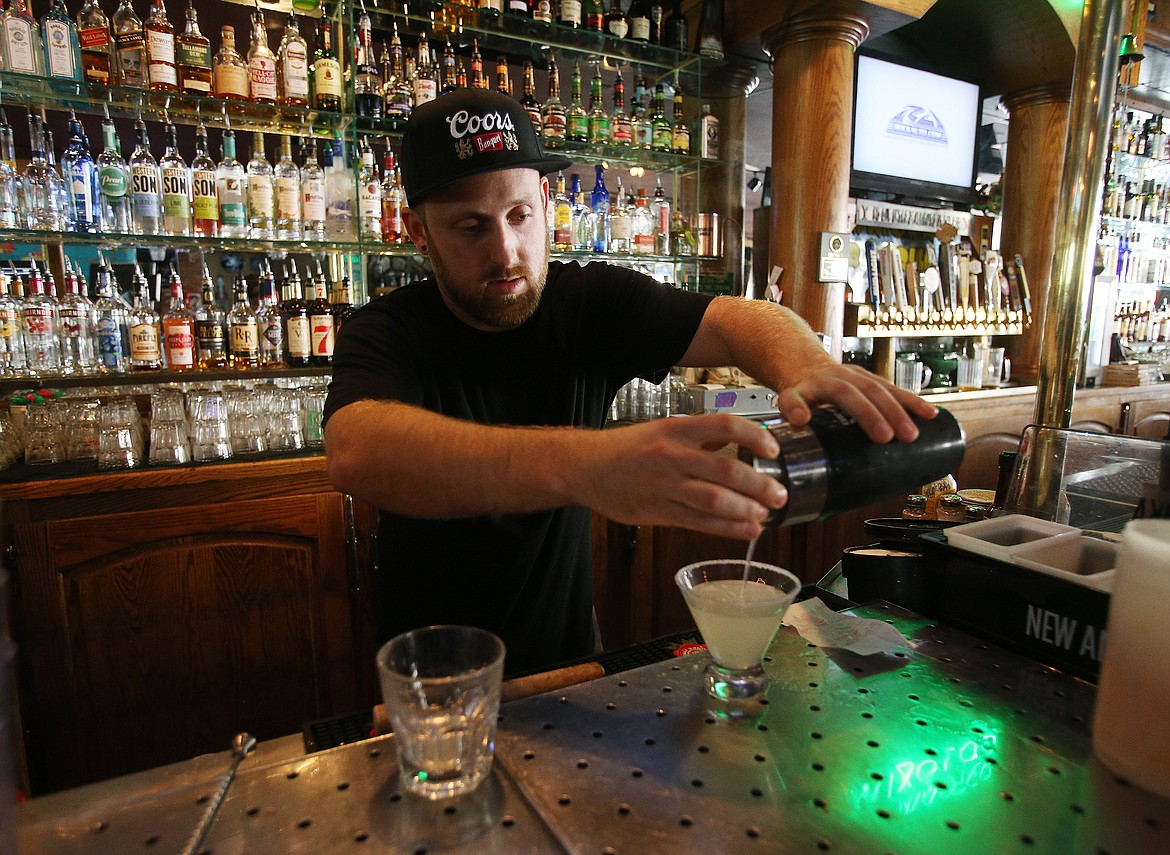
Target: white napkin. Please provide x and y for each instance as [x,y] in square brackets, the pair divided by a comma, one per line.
[820,625]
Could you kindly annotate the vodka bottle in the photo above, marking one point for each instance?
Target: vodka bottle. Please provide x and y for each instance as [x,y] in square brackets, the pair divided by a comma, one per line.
[321,320]
[578,119]
[176,186]
[620,226]
[660,209]
[210,328]
[621,128]
[326,70]
[204,189]
[130,45]
[552,114]
[42,203]
[114,181]
[193,56]
[562,224]
[599,211]
[292,65]
[41,322]
[393,201]
[160,49]
[146,352]
[312,192]
[287,182]
[20,40]
[367,83]
[61,189]
[582,217]
[12,359]
[178,329]
[62,47]
[369,195]
[269,323]
[339,194]
[261,62]
[145,202]
[79,169]
[261,192]
[642,225]
[230,72]
[97,45]
[11,187]
[111,332]
[243,330]
[298,337]
[231,186]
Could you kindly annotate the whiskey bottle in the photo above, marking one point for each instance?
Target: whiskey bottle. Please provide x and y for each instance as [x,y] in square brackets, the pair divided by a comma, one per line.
[261,63]
[204,188]
[552,114]
[145,203]
[599,127]
[367,84]
[22,47]
[528,100]
[146,352]
[130,44]
[293,66]
[298,339]
[312,192]
[621,127]
[114,183]
[97,49]
[287,183]
[542,11]
[578,119]
[230,72]
[243,330]
[321,320]
[160,49]
[178,329]
[61,44]
[269,323]
[342,299]
[326,70]
[176,186]
[210,328]
[261,192]
[708,133]
[231,187]
[193,56]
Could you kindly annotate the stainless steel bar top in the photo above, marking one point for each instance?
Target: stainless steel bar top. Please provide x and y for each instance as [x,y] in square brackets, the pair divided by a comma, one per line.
[953,746]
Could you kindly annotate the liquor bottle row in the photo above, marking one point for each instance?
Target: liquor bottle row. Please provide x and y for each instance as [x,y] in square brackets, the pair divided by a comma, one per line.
[1139,321]
[1146,201]
[43,336]
[1140,135]
[1136,259]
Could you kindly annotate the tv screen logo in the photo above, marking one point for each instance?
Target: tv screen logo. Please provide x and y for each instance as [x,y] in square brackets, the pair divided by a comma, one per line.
[917,123]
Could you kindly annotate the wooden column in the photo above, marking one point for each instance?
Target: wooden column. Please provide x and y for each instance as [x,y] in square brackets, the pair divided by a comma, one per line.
[812,118]
[1031,186]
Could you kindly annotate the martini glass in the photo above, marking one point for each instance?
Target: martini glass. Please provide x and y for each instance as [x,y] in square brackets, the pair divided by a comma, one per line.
[737,619]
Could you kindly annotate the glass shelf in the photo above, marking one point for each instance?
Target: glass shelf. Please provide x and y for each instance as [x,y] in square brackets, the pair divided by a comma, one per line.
[183,243]
[151,379]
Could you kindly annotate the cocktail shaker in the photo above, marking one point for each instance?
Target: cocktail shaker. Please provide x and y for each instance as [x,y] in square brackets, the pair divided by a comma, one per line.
[830,465]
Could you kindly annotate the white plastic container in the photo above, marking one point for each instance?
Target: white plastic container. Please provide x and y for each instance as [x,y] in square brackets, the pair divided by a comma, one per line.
[1001,537]
[1084,560]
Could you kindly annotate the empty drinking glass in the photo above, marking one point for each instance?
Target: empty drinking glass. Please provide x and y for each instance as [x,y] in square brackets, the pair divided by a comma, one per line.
[41,439]
[168,442]
[119,447]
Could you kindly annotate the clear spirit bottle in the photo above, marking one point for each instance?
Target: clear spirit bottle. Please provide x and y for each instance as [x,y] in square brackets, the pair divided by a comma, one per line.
[23,50]
[298,337]
[146,353]
[621,229]
[243,329]
[12,359]
[339,194]
[62,46]
[160,49]
[287,183]
[578,118]
[312,192]
[552,114]
[39,317]
[176,186]
[42,203]
[642,225]
[204,189]
[261,63]
[231,186]
[178,329]
[77,327]
[210,328]
[61,190]
[112,332]
[326,70]
[80,171]
[12,212]
[230,72]
[292,59]
[146,205]
[369,195]
[130,45]
[582,217]
[114,182]
[269,323]
[660,208]
[97,45]
[193,56]
[261,192]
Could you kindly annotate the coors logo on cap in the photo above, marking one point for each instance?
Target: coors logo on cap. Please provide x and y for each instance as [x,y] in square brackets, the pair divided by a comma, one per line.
[491,131]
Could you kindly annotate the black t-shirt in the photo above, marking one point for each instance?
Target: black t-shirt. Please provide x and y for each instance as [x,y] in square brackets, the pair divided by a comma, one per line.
[526,577]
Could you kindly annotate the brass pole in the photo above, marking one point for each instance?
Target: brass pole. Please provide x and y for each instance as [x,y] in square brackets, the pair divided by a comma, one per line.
[1065,315]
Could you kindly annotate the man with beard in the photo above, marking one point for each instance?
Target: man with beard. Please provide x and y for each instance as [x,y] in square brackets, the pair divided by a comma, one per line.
[467,407]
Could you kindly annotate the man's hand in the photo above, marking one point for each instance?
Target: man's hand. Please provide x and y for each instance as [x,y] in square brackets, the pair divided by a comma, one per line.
[672,472]
[880,408]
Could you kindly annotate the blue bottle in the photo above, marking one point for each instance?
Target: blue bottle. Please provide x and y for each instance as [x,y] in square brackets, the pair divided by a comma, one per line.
[599,212]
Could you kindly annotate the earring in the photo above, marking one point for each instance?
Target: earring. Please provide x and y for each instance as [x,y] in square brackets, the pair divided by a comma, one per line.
[422,248]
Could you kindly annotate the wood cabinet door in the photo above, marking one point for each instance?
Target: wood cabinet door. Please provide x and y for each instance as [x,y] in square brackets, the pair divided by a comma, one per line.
[153,636]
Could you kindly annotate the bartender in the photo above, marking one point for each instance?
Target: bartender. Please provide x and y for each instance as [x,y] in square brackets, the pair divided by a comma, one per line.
[468,406]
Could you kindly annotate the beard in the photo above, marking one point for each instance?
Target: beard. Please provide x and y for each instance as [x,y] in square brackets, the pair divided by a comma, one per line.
[497,312]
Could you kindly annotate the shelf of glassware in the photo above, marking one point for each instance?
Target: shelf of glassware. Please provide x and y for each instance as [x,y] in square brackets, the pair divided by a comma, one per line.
[143,382]
[131,102]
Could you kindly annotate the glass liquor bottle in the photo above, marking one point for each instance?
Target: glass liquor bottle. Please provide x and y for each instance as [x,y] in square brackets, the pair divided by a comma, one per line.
[146,352]
[448,78]
[709,38]
[582,217]
[661,210]
[519,8]
[675,32]
[578,118]
[342,300]
[111,333]
[569,14]
[293,66]
[287,182]
[478,78]
[80,171]
[542,11]
[616,22]
[642,225]
[204,189]
[298,338]
[321,320]
[426,86]
[642,124]
[40,322]
[369,195]
[130,44]
[490,9]
[621,127]
[65,218]
[178,330]
[12,214]
[528,98]
[231,186]
[62,46]
[261,192]
[639,20]
[12,358]
[599,127]
[599,211]
[176,186]
[243,329]
[97,45]
[269,323]
[160,49]
[42,203]
[620,225]
[503,81]
[193,56]
[593,15]
[367,83]
[393,201]
[680,133]
[552,114]
[708,127]
[562,225]
[114,183]
[682,239]
[230,72]
[261,62]
[662,131]
[210,328]
[77,327]
[339,194]
[22,47]
[326,70]
[312,192]
[399,97]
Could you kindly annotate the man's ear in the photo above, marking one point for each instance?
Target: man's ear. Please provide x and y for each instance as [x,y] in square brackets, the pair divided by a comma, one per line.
[415,228]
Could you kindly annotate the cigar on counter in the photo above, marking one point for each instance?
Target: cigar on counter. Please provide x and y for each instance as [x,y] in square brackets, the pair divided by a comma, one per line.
[520,687]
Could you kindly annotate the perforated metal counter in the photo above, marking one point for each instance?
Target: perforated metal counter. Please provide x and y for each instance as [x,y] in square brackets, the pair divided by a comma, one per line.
[954,747]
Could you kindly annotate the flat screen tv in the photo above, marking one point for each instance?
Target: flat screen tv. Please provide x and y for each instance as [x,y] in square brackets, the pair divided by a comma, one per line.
[914,132]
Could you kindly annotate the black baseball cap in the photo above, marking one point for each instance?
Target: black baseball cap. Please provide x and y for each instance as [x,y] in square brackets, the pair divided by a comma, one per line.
[467,132]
